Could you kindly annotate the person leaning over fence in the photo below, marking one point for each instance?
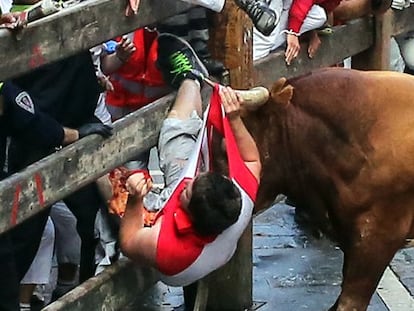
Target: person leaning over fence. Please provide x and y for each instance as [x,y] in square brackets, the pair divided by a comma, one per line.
[263,45]
[51,106]
[197,229]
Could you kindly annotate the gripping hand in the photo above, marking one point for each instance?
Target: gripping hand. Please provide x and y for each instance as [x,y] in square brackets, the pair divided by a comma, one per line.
[95,128]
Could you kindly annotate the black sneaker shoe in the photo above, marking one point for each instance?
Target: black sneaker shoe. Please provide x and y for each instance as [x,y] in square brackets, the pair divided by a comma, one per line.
[178,61]
[263,17]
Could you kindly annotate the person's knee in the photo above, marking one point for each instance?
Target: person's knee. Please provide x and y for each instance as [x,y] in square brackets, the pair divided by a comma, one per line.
[407,51]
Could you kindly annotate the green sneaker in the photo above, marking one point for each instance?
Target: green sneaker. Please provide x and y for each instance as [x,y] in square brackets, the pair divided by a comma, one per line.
[178,61]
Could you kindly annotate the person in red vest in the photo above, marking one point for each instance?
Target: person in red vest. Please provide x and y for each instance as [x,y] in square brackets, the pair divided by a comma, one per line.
[129,61]
[202,217]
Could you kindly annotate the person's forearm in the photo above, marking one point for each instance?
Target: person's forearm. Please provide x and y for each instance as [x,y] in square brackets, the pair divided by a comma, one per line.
[111,63]
[245,142]
[131,222]
[71,135]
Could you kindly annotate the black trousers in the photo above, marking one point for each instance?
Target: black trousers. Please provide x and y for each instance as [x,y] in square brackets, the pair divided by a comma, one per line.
[18,247]
[84,204]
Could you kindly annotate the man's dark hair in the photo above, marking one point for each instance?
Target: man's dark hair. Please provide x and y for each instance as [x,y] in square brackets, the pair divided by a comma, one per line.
[215,203]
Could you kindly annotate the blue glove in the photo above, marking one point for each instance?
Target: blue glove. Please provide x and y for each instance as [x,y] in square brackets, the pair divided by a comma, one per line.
[110,46]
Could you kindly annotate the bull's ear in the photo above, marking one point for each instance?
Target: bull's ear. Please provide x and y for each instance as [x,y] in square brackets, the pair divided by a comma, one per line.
[282,93]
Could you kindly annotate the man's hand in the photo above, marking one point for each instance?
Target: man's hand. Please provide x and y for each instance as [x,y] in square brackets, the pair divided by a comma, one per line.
[231,102]
[95,128]
[11,21]
[138,185]
[124,49]
[132,7]
[292,49]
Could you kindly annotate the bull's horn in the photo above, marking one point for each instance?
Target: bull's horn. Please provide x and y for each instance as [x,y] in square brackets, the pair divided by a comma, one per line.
[254,98]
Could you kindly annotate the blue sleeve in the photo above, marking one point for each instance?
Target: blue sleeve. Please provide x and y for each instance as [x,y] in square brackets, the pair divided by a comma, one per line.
[25,121]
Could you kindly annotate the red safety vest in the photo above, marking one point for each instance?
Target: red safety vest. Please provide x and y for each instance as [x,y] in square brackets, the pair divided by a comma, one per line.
[138,82]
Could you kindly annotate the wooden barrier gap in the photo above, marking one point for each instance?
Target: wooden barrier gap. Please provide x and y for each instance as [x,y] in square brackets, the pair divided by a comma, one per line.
[346,40]
[60,174]
[115,287]
[73,29]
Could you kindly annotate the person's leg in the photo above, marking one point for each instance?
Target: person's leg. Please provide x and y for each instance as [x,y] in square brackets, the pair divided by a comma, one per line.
[396,59]
[9,276]
[178,25]
[39,271]
[199,36]
[263,45]
[67,248]
[84,204]
[190,293]
[406,44]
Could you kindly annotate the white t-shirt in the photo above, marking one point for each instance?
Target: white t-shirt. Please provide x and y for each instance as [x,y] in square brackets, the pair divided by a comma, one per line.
[6,5]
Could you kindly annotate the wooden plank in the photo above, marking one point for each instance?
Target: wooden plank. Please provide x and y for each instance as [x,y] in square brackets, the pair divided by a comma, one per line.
[62,173]
[232,43]
[403,20]
[73,29]
[347,40]
[112,289]
[377,57]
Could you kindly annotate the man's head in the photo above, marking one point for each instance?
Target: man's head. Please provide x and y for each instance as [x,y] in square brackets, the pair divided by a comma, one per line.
[213,202]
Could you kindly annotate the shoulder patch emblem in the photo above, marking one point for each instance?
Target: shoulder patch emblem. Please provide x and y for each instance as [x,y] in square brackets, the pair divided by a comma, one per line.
[24,101]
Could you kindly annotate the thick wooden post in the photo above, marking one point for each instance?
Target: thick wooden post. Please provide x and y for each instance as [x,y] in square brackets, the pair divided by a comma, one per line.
[378,56]
[231,42]
[230,288]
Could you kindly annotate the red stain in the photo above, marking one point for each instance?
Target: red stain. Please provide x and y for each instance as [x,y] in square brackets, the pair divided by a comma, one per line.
[39,188]
[36,58]
[15,208]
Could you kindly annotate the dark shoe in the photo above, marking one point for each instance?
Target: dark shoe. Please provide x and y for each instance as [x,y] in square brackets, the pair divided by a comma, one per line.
[178,61]
[213,66]
[61,290]
[263,17]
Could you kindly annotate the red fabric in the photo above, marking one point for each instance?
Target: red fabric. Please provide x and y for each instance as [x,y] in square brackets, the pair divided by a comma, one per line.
[178,244]
[141,68]
[300,9]
[237,168]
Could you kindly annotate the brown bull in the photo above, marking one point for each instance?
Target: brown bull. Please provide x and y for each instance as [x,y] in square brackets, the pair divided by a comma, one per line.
[341,143]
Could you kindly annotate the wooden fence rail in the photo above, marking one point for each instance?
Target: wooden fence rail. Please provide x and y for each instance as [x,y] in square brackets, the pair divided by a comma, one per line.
[73,29]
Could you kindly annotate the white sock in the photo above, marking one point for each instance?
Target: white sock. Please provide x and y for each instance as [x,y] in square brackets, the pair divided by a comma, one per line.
[24,306]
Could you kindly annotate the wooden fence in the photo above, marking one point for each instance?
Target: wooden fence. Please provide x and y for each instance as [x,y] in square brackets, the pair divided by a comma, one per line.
[60,174]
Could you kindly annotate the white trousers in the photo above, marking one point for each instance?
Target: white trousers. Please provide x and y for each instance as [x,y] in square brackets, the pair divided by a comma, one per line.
[406,44]
[263,45]
[68,242]
[39,271]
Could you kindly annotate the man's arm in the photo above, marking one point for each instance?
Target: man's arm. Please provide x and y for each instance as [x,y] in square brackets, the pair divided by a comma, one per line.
[245,142]
[25,120]
[137,242]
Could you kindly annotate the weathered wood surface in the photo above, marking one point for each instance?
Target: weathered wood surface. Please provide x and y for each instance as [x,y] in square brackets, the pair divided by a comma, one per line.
[347,40]
[377,56]
[73,29]
[231,38]
[60,174]
[403,20]
[115,287]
